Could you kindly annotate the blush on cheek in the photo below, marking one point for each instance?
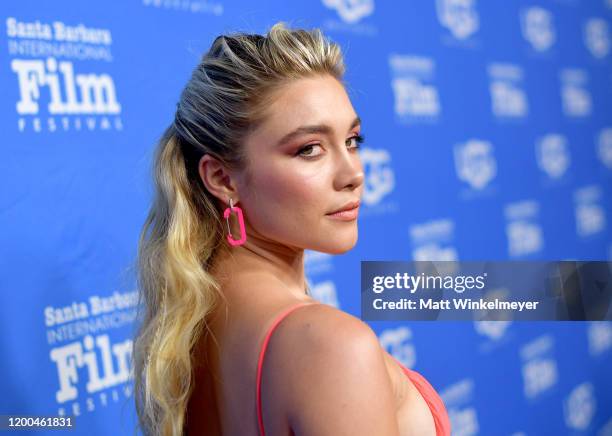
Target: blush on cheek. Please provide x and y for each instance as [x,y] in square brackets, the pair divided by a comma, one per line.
[284,200]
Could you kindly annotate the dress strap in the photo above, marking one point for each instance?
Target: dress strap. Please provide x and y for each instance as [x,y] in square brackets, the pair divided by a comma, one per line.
[275,323]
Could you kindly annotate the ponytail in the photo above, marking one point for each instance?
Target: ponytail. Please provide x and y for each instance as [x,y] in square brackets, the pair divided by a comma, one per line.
[177,292]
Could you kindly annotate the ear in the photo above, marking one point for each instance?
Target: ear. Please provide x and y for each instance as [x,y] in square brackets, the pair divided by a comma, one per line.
[217,179]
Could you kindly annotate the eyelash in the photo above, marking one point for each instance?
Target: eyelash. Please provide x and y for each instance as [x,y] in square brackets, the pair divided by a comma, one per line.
[358,140]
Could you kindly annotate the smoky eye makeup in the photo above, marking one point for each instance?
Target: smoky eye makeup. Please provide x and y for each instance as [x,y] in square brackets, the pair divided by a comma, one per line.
[358,138]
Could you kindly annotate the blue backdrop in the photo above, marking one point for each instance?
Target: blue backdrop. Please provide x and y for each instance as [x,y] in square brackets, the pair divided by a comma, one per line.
[488,131]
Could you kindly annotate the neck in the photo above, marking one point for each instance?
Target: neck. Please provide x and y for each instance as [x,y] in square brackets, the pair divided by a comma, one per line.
[266,261]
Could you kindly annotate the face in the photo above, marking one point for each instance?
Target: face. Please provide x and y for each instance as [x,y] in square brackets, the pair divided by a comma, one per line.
[296,180]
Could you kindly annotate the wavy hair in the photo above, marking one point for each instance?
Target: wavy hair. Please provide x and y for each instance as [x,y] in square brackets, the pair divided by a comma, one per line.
[223,101]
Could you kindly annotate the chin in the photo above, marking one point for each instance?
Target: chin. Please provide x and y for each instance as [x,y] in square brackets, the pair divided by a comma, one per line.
[338,246]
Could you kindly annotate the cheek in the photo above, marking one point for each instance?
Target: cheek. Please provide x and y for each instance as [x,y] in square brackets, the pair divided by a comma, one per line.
[278,199]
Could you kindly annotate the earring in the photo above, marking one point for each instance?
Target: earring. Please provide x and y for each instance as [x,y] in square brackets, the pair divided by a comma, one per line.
[226,214]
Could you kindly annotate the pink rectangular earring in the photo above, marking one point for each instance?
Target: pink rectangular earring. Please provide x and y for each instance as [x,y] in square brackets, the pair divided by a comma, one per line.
[240,217]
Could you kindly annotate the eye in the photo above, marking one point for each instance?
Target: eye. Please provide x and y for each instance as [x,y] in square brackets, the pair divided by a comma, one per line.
[300,152]
[358,140]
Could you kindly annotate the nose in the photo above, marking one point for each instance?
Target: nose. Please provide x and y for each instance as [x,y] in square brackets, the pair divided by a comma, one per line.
[349,171]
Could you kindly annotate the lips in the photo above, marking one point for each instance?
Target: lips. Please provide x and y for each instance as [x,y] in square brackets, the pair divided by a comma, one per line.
[347,206]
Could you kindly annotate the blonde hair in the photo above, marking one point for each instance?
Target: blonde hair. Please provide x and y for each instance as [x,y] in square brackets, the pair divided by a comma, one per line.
[223,101]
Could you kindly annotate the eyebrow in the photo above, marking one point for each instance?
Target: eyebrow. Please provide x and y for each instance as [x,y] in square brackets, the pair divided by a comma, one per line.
[317,128]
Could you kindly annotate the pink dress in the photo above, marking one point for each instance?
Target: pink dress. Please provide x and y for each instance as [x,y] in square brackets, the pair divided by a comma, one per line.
[433,400]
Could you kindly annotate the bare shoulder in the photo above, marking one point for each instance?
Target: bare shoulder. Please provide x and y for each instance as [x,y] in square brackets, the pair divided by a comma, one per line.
[327,372]
[320,328]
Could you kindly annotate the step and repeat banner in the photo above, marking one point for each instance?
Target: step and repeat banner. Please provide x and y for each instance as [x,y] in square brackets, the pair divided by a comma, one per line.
[488,130]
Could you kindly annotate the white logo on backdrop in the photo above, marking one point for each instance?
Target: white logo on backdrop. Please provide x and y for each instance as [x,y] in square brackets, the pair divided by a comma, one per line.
[79,328]
[523,238]
[414,97]
[597,37]
[600,337]
[458,399]
[53,95]
[523,229]
[97,91]
[316,262]
[193,6]
[494,330]
[397,343]
[590,215]
[474,162]
[434,251]
[458,16]
[432,241]
[538,28]
[539,375]
[590,219]
[552,155]
[539,368]
[508,98]
[380,179]
[604,146]
[351,11]
[74,356]
[575,96]
[325,292]
[579,406]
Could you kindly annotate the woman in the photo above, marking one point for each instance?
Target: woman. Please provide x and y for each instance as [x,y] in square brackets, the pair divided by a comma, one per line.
[260,156]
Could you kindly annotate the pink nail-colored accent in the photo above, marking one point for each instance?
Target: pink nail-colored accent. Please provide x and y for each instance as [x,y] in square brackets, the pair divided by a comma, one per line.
[242,240]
